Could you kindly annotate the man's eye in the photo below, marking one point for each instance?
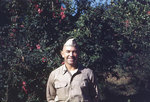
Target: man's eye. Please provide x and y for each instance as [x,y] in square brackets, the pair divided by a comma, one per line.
[74,51]
[67,51]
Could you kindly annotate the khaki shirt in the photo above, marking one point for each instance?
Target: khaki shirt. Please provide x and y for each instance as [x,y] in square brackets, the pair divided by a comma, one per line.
[64,87]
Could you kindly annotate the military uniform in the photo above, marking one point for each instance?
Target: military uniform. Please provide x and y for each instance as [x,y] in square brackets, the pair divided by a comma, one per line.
[62,86]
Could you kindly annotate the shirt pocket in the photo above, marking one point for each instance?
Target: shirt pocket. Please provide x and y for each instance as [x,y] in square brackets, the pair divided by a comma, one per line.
[59,85]
[61,90]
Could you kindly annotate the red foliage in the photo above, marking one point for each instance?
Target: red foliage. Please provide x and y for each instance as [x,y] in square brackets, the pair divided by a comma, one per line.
[22,26]
[23,86]
[62,8]
[37,6]
[44,59]
[54,15]
[39,10]
[11,34]
[38,46]
[148,12]
[127,23]
[62,14]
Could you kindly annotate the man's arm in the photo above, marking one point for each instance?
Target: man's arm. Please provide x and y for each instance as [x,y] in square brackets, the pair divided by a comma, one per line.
[50,89]
[94,91]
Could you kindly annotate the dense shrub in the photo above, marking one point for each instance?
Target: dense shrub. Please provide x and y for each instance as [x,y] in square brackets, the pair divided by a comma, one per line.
[113,38]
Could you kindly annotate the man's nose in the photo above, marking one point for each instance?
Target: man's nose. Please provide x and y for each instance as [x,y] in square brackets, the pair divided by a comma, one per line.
[71,54]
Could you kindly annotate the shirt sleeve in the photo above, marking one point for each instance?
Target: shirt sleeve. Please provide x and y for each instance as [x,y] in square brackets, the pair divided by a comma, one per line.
[94,88]
[50,89]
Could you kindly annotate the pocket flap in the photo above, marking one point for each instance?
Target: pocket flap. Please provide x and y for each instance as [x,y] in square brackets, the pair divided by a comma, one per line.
[60,84]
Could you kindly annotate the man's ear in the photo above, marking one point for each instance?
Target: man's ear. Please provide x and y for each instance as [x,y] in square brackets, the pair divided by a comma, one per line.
[62,54]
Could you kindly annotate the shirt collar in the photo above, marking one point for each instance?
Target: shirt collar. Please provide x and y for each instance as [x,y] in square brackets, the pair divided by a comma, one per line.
[80,68]
[64,69]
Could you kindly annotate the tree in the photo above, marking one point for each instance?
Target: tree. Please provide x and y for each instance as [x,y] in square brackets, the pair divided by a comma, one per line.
[131,46]
[31,46]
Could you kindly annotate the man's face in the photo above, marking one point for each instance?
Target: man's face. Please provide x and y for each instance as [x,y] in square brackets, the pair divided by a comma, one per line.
[70,55]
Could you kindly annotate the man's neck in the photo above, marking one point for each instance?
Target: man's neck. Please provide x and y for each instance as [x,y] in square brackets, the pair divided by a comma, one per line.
[71,67]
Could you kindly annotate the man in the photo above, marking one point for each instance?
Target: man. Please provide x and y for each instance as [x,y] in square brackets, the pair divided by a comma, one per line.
[71,82]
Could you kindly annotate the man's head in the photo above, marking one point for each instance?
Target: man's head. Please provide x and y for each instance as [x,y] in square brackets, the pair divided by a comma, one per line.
[70,52]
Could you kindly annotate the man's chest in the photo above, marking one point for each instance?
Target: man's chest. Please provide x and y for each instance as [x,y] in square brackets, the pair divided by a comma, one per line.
[67,80]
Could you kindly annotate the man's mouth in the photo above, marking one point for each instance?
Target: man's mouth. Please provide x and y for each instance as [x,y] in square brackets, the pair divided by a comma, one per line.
[71,59]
